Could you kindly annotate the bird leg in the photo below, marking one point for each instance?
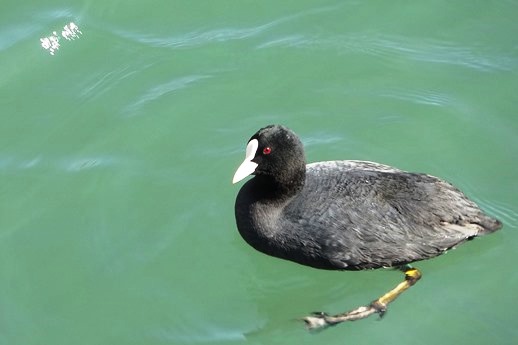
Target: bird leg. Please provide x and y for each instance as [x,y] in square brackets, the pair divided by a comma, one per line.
[321,320]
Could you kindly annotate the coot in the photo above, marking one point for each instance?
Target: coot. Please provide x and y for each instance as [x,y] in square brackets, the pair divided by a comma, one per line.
[348,215]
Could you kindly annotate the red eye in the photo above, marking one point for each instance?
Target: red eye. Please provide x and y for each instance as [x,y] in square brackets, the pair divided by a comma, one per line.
[267,150]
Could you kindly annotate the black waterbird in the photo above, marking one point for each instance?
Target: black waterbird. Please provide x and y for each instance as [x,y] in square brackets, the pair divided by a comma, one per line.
[348,215]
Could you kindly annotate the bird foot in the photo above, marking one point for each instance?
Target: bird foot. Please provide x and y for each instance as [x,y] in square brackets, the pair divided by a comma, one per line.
[319,320]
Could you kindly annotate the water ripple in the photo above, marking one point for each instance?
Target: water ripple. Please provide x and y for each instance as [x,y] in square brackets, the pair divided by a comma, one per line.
[444,52]
[31,27]
[503,212]
[389,46]
[201,37]
[79,164]
[16,33]
[191,39]
[210,333]
[287,41]
[73,164]
[321,139]
[158,91]
[104,82]
[426,97]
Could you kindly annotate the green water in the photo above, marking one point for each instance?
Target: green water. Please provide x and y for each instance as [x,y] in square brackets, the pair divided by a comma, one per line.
[117,152]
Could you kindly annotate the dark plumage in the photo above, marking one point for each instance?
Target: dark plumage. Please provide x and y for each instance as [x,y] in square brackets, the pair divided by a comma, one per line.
[348,215]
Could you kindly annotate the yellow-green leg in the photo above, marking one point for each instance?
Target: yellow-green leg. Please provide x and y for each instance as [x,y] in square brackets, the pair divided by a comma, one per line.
[322,320]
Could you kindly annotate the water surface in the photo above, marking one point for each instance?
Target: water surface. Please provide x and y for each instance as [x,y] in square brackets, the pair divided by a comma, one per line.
[117,151]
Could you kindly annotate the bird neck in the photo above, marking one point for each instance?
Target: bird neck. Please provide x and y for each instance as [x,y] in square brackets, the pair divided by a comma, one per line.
[281,187]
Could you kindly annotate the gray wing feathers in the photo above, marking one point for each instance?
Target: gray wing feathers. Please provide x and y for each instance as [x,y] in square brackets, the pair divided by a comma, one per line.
[386,218]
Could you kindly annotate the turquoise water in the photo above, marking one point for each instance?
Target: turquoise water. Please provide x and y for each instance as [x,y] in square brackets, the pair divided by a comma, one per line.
[117,152]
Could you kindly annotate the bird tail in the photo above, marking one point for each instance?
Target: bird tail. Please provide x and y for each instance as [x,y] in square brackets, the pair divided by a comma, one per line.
[477,226]
[488,225]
